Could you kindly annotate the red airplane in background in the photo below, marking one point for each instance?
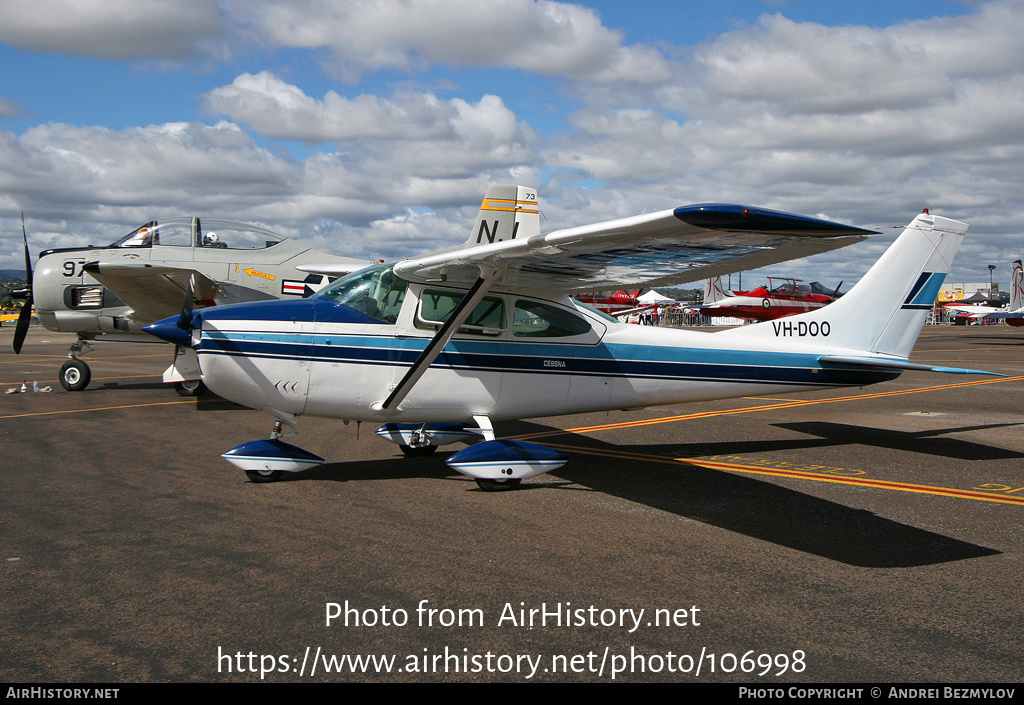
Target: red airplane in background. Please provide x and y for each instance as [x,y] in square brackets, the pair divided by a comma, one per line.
[612,304]
[783,296]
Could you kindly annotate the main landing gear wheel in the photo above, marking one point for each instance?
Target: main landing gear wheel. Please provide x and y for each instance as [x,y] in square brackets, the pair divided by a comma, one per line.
[264,475]
[498,485]
[190,388]
[418,451]
[75,375]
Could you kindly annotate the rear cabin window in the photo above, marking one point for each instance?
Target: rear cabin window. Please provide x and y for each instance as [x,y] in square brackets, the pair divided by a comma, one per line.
[488,318]
[533,319]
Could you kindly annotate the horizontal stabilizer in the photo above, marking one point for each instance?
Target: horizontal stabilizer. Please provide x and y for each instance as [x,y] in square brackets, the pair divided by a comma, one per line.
[899,365]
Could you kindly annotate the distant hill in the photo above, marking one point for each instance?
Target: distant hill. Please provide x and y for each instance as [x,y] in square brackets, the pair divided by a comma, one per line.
[18,274]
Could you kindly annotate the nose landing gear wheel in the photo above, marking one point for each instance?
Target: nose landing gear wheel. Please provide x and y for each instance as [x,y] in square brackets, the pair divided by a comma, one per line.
[190,388]
[75,375]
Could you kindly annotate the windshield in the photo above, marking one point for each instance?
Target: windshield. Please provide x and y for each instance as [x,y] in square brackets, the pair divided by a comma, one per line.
[376,291]
[209,233]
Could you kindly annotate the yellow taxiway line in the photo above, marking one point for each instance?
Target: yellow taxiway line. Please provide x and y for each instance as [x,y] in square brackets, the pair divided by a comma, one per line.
[786,404]
[795,474]
[98,408]
[799,475]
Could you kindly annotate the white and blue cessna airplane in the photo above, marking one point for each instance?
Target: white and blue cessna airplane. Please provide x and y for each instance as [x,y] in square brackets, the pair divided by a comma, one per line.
[437,347]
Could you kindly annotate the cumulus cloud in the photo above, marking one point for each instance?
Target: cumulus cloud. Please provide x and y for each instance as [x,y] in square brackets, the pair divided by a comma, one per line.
[280,110]
[70,176]
[858,124]
[540,36]
[411,136]
[113,29]
[807,67]
[162,165]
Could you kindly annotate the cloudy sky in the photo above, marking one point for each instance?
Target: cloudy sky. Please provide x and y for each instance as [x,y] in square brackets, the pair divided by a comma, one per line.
[372,128]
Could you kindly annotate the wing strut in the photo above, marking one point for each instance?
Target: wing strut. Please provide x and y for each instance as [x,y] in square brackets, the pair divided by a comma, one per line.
[488,275]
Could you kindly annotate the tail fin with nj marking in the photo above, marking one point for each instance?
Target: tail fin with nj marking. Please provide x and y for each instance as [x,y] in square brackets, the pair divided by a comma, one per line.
[884,313]
[508,212]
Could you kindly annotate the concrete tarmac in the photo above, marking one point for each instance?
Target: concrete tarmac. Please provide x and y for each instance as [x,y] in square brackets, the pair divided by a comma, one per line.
[868,535]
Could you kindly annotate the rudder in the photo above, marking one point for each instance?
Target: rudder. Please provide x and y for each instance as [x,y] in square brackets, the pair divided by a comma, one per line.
[1017,287]
[713,291]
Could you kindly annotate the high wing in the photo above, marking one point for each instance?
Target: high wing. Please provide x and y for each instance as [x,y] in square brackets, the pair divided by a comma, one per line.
[154,291]
[674,246]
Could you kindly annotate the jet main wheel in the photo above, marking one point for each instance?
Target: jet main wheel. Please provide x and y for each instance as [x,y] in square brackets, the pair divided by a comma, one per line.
[498,485]
[75,375]
[264,475]
[190,388]
[418,451]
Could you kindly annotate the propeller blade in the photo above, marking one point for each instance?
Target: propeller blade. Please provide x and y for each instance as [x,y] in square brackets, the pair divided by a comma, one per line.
[25,317]
[22,326]
[835,294]
[28,256]
[185,319]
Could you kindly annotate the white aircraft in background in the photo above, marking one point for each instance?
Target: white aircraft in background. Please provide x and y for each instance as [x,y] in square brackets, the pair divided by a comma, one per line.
[1014,313]
[109,293]
[438,347]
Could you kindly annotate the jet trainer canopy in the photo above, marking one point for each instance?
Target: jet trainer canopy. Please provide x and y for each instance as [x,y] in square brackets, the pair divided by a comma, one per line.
[193,232]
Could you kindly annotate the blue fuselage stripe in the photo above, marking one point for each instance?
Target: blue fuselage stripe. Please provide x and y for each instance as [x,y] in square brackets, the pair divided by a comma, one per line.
[611,360]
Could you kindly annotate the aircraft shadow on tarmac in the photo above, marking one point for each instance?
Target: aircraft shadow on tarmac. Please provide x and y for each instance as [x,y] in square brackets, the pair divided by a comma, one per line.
[737,503]
[126,385]
[834,434]
[992,340]
[760,509]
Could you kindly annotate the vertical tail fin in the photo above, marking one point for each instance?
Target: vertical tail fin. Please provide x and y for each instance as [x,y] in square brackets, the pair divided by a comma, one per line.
[508,212]
[1017,287]
[885,311]
[713,291]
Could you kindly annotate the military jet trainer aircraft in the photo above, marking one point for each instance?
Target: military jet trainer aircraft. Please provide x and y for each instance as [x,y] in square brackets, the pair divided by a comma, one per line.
[783,296]
[438,347]
[111,292]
